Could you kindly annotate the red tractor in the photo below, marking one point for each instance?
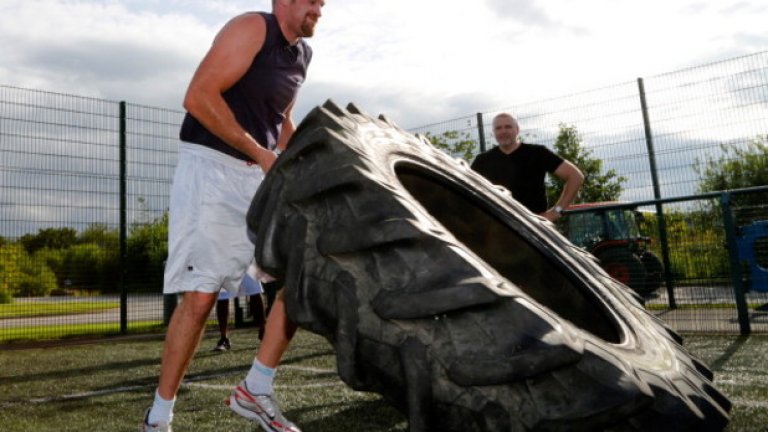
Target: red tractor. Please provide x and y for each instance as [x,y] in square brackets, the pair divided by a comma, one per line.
[612,234]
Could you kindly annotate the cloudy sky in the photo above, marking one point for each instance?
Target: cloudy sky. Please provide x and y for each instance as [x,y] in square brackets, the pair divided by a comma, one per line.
[418,61]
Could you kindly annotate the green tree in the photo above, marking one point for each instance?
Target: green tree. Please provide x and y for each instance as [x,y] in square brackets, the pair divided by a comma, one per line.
[5,295]
[54,259]
[735,168]
[147,249]
[598,185]
[100,235]
[455,143]
[88,266]
[11,256]
[54,238]
[37,279]
[696,242]
[22,275]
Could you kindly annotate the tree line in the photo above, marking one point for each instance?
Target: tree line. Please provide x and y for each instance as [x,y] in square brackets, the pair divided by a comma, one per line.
[62,261]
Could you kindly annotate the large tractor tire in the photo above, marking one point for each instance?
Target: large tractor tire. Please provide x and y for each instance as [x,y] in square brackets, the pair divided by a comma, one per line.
[443,294]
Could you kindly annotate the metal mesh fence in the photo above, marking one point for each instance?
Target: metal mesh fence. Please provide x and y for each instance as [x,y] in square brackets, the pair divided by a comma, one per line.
[692,115]
[61,212]
[84,187]
[701,293]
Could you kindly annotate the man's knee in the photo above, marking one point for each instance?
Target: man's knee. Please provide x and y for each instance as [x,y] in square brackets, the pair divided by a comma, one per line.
[198,304]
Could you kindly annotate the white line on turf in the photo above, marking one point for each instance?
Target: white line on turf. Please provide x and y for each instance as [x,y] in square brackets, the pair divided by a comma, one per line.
[87,394]
[308,369]
[283,387]
[750,403]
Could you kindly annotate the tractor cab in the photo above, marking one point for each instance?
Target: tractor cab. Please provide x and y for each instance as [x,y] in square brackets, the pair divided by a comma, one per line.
[593,229]
[612,233]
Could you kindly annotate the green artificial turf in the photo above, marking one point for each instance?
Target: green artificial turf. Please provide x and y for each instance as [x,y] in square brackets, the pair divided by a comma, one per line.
[107,385]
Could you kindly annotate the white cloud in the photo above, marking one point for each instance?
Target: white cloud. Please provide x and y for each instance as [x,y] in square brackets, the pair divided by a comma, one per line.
[100,49]
[419,61]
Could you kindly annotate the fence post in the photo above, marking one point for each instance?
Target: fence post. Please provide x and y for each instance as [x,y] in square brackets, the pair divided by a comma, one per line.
[481,131]
[170,301]
[123,225]
[733,254]
[669,280]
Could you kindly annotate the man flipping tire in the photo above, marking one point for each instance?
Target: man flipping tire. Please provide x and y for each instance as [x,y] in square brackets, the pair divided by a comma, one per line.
[239,107]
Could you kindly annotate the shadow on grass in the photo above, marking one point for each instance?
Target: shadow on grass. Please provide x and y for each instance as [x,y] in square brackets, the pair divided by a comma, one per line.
[362,415]
[65,374]
[76,372]
[733,348]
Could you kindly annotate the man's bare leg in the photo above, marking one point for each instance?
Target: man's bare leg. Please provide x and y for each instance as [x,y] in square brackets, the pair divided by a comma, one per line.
[181,341]
[253,398]
[277,335]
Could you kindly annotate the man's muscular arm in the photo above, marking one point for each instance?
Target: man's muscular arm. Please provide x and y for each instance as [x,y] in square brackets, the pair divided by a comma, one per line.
[573,178]
[225,63]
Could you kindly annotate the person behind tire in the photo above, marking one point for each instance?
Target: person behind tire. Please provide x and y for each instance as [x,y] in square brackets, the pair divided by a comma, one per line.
[250,288]
[522,167]
[239,106]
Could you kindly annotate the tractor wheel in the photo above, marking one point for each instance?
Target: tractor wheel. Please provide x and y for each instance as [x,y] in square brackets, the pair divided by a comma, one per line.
[443,294]
[654,270]
[624,266]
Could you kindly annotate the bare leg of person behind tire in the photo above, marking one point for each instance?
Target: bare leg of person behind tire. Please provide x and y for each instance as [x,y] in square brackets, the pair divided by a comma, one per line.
[253,397]
[278,334]
[222,318]
[256,307]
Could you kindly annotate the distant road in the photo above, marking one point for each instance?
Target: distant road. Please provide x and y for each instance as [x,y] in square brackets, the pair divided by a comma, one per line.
[149,307]
[141,307]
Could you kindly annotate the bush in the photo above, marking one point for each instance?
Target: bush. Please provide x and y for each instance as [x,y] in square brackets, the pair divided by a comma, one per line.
[90,267]
[22,275]
[39,283]
[147,251]
[5,295]
[11,258]
[53,258]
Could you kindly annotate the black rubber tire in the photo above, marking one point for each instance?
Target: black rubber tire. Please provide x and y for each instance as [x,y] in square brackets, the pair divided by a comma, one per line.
[440,292]
[654,271]
[624,266]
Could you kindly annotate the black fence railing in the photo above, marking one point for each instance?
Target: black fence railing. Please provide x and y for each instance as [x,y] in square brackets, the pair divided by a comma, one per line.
[709,274]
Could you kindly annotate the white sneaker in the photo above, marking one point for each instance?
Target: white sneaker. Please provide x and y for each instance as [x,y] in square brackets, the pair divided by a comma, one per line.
[159,427]
[262,408]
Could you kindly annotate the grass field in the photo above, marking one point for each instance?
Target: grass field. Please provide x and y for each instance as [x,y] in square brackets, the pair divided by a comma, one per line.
[106,386]
[41,334]
[24,310]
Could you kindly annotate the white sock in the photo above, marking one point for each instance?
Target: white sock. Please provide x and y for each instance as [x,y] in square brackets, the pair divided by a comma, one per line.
[162,410]
[260,378]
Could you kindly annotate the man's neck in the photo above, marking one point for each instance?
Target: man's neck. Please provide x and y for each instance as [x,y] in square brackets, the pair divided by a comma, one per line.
[509,148]
[289,35]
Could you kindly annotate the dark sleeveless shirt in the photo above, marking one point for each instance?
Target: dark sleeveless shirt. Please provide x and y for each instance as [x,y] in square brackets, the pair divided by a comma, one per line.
[259,99]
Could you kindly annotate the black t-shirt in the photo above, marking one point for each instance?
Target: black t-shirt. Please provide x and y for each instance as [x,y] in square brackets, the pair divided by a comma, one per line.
[522,172]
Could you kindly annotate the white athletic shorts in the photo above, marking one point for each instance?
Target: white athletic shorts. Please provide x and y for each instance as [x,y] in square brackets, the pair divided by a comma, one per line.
[208,245]
[248,287]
